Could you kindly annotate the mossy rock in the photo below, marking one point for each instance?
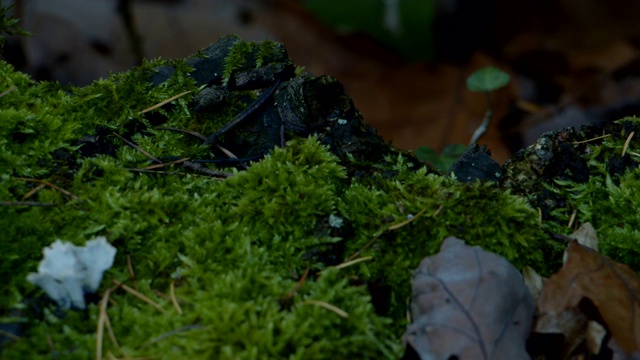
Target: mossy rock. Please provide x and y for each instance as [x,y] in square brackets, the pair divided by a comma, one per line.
[246,265]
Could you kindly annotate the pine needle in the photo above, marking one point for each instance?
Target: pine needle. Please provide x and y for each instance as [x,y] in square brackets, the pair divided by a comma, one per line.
[164,102]
[327,306]
[49,185]
[174,300]
[139,295]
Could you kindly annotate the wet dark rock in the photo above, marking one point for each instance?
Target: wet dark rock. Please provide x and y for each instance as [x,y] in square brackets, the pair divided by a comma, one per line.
[258,78]
[210,97]
[209,67]
[161,74]
[476,164]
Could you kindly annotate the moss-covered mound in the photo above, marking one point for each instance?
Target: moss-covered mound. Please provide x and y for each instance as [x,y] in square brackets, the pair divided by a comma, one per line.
[300,251]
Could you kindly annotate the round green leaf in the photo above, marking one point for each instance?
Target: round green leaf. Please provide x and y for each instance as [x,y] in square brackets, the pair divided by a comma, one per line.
[487,79]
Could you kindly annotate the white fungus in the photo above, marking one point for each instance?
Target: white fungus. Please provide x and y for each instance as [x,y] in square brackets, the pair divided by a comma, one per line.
[67,272]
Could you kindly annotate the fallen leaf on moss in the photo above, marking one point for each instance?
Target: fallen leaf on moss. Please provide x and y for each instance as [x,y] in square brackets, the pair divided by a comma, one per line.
[468,304]
[586,236]
[590,281]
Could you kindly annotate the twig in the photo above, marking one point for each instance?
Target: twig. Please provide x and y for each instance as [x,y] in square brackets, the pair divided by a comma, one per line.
[133,145]
[192,133]
[139,295]
[174,300]
[352,262]
[327,306]
[592,139]
[112,335]
[572,219]
[173,332]
[297,287]
[161,165]
[132,275]
[205,170]
[392,227]
[26,203]
[539,216]
[50,185]
[33,191]
[408,221]
[102,318]
[9,335]
[626,143]
[164,102]
[8,91]
[202,137]
[245,113]
[482,129]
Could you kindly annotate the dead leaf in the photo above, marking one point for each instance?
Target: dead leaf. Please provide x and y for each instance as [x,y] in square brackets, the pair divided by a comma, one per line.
[611,287]
[595,336]
[533,281]
[468,304]
[586,236]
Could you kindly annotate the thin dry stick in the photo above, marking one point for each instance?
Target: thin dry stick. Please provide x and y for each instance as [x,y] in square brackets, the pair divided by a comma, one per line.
[539,216]
[139,295]
[592,139]
[572,219]
[205,170]
[164,102]
[33,191]
[392,227]
[162,172]
[52,346]
[352,262]
[157,166]
[192,133]
[174,300]
[298,285]
[327,306]
[626,143]
[102,318]
[199,136]
[405,222]
[9,335]
[112,335]
[132,274]
[8,91]
[133,145]
[227,152]
[26,203]
[50,185]
[173,332]
[366,246]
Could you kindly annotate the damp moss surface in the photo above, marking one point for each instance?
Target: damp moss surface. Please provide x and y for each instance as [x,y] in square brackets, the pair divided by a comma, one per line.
[290,258]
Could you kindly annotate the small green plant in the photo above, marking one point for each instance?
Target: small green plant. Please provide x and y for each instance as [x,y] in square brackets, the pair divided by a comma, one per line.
[441,162]
[486,80]
[9,25]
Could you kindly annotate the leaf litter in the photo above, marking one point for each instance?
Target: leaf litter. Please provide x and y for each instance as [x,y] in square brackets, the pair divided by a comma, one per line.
[468,303]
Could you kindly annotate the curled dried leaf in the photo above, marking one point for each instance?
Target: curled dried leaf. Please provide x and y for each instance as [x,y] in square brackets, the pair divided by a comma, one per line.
[468,304]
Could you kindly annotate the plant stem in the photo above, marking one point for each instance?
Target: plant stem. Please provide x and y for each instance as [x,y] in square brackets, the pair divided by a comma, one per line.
[482,129]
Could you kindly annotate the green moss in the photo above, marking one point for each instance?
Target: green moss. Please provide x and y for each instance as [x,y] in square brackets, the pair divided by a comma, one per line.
[235,249]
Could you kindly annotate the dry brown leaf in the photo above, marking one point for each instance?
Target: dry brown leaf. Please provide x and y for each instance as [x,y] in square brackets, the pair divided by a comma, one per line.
[468,304]
[533,281]
[586,236]
[613,289]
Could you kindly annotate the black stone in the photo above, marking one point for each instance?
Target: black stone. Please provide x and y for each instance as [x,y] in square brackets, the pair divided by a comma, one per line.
[476,164]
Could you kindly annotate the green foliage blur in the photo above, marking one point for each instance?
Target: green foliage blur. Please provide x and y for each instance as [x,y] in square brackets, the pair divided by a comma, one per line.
[9,25]
[402,25]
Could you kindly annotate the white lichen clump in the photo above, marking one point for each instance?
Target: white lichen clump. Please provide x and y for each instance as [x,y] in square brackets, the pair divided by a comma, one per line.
[67,272]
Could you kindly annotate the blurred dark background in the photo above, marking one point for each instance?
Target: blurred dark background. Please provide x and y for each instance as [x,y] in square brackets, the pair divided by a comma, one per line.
[404,62]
